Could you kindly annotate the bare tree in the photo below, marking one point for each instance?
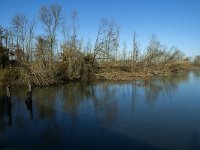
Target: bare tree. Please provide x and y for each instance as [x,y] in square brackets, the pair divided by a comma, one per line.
[65,33]
[70,33]
[2,35]
[197,60]
[88,47]
[41,52]
[19,23]
[136,50]
[107,39]
[100,39]
[111,44]
[4,53]
[30,38]
[23,31]
[74,41]
[154,50]
[124,52]
[51,17]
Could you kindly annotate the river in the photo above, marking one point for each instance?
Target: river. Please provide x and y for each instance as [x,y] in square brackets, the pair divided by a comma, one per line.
[158,113]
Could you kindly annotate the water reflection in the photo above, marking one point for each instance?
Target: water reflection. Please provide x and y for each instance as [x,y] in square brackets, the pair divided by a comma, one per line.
[106,104]
[6,110]
[28,104]
[195,140]
[196,74]
[167,85]
[9,112]
[77,99]
[81,112]
[101,98]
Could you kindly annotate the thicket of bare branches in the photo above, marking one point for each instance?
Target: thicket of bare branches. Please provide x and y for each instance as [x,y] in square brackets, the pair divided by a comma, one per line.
[43,58]
[197,60]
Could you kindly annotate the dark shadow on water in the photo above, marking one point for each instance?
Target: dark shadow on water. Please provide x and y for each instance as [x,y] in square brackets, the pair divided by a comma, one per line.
[104,140]
[5,114]
[195,140]
[28,104]
[6,110]
[9,112]
[110,141]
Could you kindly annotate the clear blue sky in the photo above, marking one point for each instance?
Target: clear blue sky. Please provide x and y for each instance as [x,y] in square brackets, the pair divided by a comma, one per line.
[175,22]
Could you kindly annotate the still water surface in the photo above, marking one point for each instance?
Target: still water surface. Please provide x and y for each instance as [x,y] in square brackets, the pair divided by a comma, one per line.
[161,113]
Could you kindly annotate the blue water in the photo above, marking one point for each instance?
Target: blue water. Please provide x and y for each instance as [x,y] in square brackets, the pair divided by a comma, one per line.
[159,113]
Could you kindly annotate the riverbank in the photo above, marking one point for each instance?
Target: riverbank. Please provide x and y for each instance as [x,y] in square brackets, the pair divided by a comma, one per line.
[111,74]
[16,77]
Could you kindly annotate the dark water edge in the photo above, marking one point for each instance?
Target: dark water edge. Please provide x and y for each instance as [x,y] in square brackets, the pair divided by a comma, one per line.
[160,113]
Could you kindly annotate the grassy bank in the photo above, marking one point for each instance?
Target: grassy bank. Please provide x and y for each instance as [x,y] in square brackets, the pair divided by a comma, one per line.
[126,73]
[117,71]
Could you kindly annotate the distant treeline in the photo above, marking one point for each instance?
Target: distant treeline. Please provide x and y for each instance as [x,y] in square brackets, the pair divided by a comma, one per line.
[42,59]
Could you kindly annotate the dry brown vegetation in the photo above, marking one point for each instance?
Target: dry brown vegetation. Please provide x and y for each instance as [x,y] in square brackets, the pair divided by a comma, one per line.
[26,58]
[125,72]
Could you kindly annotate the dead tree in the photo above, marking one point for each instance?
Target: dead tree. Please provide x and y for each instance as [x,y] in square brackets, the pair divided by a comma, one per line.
[107,39]
[50,17]
[135,50]
[23,31]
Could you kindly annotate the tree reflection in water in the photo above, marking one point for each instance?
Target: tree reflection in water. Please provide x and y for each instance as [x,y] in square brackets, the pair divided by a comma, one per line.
[168,85]
[196,74]
[76,108]
[98,98]
[5,113]
[28,103]
[76,99]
